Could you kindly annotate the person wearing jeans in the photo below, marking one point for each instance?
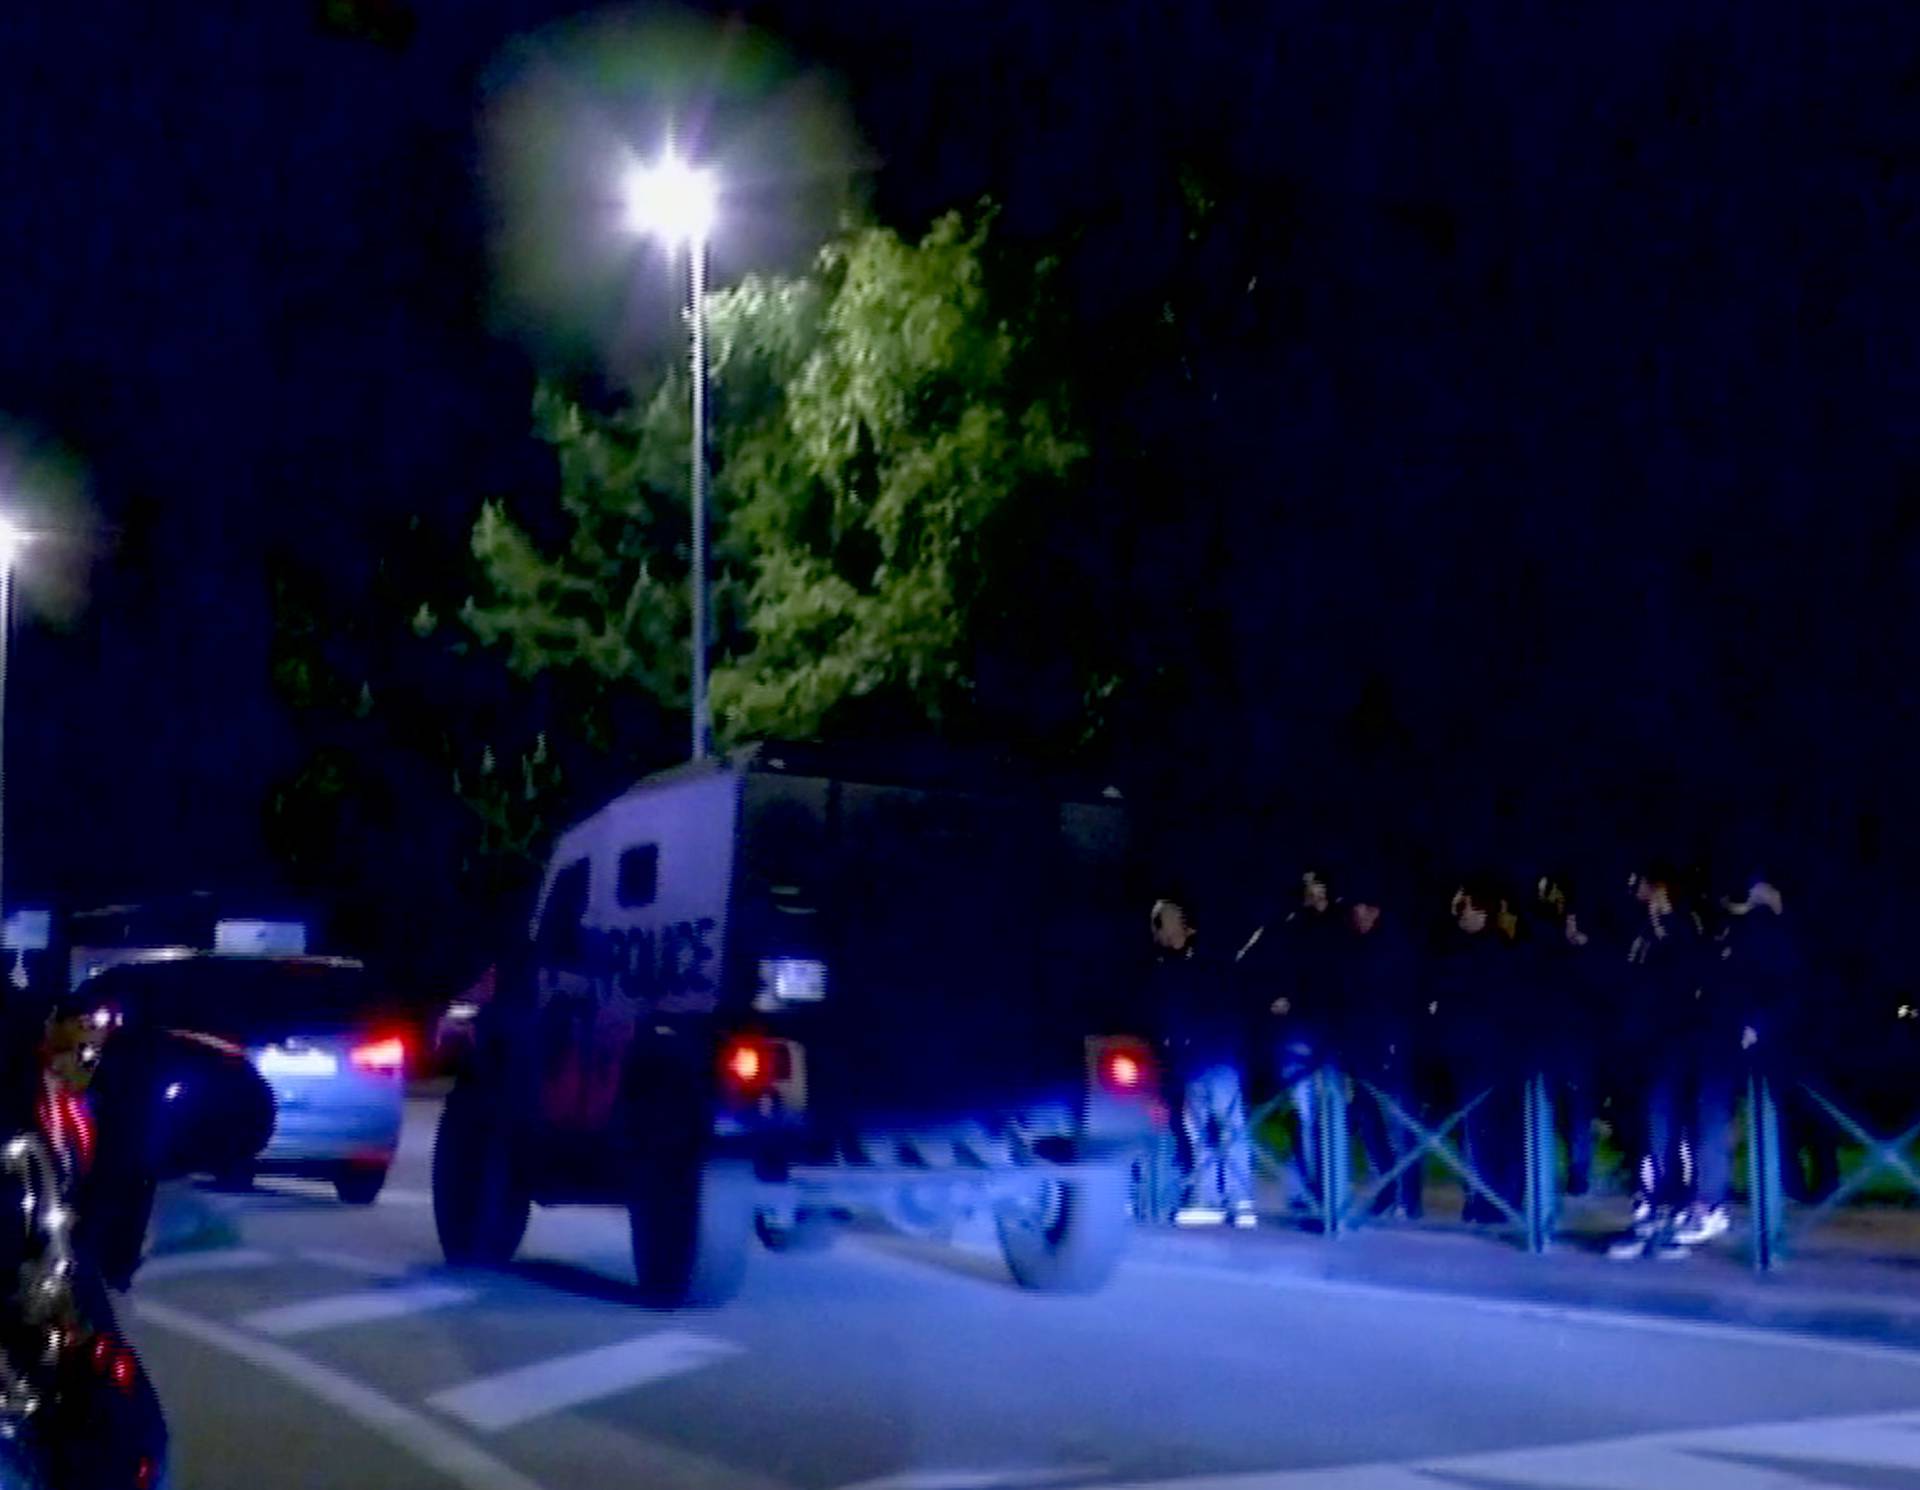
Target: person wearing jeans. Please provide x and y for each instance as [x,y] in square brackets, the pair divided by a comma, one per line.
[1689,1126]
[1289,968]
[1213,1119]
[1204,1038]
[1672,1007]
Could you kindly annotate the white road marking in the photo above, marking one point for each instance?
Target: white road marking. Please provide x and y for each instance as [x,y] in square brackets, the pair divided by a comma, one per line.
[352,1262]
[979,1479]
[494,1403]
[184,1264]
[1564,1314]
[290,1186]
[341,1309]
[1629,1466]
[1876,1442]
[1646,1462]
[287,1184]
[1339,1477]
[466,1464]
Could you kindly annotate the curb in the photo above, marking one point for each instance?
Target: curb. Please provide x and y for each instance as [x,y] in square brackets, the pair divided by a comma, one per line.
[1472,1268]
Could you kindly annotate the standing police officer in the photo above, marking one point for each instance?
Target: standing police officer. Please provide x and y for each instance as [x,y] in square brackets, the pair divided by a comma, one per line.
[1379,999]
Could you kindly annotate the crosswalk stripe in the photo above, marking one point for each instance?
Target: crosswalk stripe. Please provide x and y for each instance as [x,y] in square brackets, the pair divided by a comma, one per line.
[979,1479]
[293,1188]
[185,1264]
[491,1404]
[353,1262]
[1336,1477]
[461,1461]
[1623,1466]
[1872,1443]
[363,1307]
[1702,1459]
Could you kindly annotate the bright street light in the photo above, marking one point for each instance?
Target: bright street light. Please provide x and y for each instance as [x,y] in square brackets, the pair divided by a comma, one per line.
[13,539]
[672,201]
[677,203]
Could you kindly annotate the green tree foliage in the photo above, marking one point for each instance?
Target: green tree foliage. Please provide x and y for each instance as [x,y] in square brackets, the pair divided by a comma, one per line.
[874,418]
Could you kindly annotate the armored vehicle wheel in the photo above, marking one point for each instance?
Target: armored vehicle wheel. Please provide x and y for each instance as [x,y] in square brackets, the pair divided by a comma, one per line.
[479,1208]
[1067,1236]
[691,1224]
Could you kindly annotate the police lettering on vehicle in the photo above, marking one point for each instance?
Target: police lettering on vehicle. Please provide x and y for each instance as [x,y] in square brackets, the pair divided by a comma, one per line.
[667,969]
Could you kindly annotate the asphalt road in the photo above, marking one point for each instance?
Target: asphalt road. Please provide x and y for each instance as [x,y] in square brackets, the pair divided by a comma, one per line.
[330,1347]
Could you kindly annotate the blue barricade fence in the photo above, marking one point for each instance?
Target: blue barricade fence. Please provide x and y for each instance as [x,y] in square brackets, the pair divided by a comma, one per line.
[1766,1161]
[1336,1204]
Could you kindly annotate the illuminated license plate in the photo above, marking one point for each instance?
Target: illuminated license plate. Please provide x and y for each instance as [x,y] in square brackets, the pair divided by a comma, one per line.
[278,1060]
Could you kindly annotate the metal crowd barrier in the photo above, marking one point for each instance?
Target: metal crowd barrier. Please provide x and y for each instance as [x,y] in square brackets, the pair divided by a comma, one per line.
[1338,1206]
[1765,1162]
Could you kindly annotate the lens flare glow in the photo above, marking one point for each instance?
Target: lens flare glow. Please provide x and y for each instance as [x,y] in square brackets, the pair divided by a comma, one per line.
[671,200]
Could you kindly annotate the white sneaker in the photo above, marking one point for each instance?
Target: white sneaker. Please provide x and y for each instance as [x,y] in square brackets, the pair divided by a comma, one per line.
[1701,1223]
[1244,1217]
[1199,1215]
[1652,1226]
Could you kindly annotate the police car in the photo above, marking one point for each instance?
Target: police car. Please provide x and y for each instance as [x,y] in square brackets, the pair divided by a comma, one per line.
[768,995]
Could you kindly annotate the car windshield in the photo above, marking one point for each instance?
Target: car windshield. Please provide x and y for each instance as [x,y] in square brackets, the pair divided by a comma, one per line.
[239,997]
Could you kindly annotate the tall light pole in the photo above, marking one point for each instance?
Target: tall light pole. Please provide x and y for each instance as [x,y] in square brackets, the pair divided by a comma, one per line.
[12,540]
[675,202]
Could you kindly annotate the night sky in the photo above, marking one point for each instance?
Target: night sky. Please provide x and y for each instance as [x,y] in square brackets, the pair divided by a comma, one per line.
[1528,452]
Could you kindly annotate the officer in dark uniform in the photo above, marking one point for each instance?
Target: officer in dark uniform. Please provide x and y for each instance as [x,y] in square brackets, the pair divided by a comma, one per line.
[1771,984]
[1568,966]
[1475,977]
[1290,967]
[1380,992]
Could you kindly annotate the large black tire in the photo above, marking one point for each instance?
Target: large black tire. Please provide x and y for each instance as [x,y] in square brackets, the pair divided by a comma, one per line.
[237,1180]
[810,1231]
[360,1184]
[1072,1240]
[692,1226]
[480,1207]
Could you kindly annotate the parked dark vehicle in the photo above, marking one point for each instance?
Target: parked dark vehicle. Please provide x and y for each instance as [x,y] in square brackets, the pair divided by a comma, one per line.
[333,1051]
[77,1177]
[766,995]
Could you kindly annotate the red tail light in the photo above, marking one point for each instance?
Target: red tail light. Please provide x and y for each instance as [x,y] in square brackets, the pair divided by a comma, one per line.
[388,1055]
[750,1065]
[745,1064]
[1126,1068]
[109,1358]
